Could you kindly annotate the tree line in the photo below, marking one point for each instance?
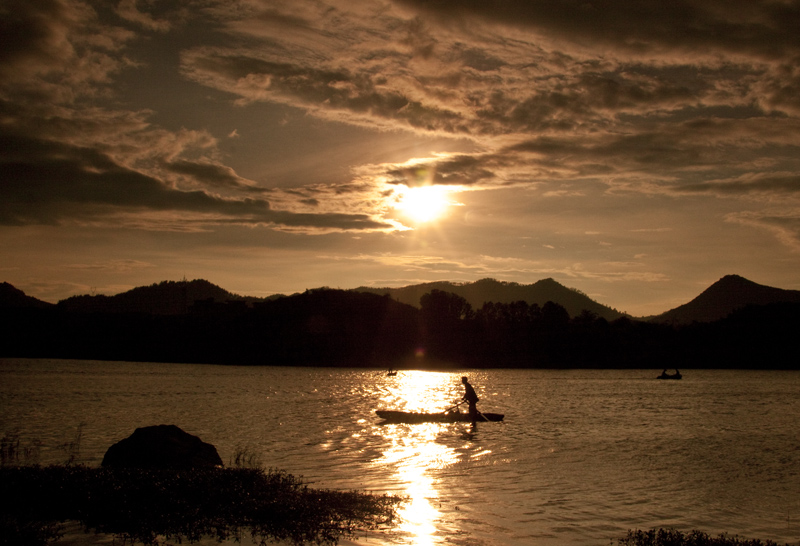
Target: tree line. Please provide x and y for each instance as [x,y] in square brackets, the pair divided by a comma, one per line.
[326,327]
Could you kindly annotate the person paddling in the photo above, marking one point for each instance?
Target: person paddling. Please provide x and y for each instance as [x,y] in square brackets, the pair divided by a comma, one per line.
[471,398]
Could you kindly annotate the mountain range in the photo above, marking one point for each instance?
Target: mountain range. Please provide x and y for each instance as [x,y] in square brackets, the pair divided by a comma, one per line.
[730,293]
[725,296]
[490,290]
[11,297]
[165,298]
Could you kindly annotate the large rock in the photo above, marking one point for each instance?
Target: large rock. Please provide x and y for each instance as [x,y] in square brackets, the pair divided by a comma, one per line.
[162,446]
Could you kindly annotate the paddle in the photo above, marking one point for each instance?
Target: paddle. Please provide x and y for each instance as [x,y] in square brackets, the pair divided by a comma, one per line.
[479,413]
[454,407]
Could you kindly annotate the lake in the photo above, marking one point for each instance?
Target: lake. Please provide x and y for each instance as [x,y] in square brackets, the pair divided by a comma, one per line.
[582,456]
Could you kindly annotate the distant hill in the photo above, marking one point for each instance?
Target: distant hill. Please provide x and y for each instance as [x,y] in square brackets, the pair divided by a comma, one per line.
[491,290]
[165,298]
[725,296]
[747,326]
[730,293]
[11,297]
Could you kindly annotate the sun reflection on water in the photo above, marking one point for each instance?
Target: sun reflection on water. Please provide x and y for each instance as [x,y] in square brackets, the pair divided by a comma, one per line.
[417,451]
[422,391]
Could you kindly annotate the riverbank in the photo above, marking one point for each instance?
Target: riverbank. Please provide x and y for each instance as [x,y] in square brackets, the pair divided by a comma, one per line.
[152,506]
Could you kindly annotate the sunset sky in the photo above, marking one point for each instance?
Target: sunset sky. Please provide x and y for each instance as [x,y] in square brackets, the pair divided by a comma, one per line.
[637,151]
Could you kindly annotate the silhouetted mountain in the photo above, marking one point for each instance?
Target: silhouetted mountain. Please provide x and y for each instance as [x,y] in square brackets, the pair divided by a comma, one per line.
[725,296]
[325,327]
[165,298]
[319,327]
[491,290]
[11,297]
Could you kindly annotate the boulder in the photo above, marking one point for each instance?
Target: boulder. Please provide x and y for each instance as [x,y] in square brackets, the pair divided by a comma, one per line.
[162,446]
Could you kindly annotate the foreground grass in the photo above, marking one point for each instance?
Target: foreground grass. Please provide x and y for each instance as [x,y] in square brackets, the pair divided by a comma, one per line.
[671,537]
[158,506]
[152,506]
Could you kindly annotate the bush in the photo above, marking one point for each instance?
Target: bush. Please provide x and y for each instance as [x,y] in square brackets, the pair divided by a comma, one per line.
[671,537]
[149,506]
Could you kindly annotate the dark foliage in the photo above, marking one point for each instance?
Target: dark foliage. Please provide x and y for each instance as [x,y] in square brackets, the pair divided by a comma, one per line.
[342,328]
[319,327]
[491,290]
[671,537]
[164,298]
[13,298]
[143,505]
[724,297]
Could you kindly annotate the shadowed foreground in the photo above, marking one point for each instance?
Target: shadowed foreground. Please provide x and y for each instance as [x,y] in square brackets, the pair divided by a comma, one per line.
[672,537]
[150,506]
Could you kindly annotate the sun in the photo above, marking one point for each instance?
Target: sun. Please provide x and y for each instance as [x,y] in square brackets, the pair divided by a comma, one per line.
[424,204]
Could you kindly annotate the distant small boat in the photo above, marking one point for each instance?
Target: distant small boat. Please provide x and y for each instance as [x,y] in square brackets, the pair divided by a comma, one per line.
[390,373]
[390,416]
[665,375]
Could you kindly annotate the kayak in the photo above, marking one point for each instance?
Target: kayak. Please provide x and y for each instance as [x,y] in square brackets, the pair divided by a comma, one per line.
[445,417]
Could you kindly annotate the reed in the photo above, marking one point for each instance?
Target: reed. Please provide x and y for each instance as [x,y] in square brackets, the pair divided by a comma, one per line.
[153,506]
[14,452]
[245,457]
[672,537]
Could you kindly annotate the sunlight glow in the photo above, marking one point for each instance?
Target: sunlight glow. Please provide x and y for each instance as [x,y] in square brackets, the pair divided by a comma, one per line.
[416,390]
[424,203]
[414,457]
[416,450]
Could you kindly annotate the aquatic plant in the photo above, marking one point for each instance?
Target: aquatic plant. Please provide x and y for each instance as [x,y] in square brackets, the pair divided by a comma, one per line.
[14,452]
[72,448]
[245,457]
[672,537]
[153,506]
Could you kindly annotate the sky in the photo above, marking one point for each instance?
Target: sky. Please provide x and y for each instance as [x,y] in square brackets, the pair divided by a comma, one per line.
[637,151]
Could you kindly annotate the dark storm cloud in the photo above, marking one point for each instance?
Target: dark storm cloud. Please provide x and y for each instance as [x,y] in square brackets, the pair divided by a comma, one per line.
[160,19]
[32,35]
[55,51]
[67,159]
[329,89]
[44,182]
[686,93]
[52,183]
[760,28]
[461,169]
[646,152]
[581,84]
[766,184]
[213,175]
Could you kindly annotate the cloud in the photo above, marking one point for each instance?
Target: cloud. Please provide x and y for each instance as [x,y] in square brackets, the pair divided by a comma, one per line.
[67,159]
[641,27]
[423,264]
[56,52]
[425,268]
[329,91]
[212,175]
[51,183]
[784,225]
[441,67]
[641,95]
[112,265]
[129,10]
[676,98]
[767,186]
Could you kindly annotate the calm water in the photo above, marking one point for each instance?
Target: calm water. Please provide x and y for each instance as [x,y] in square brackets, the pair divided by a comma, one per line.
[582,456]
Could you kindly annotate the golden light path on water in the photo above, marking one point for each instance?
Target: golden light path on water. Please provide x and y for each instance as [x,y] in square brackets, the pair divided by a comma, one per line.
[417,452]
